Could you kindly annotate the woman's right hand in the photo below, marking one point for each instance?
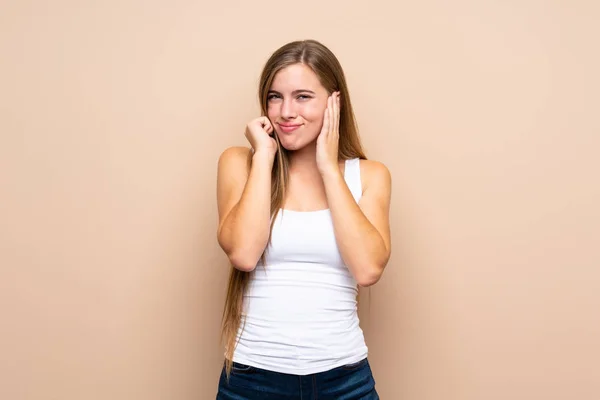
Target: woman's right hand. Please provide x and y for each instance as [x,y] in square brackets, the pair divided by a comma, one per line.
[259,133]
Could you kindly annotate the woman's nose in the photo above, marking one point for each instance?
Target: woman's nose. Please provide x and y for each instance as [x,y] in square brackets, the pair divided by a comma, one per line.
[287,109]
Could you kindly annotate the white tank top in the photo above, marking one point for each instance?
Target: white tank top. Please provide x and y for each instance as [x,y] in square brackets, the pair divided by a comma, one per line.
[300,310]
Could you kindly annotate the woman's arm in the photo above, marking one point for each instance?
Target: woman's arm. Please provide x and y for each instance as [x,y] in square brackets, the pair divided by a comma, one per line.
[362,230]
[244,203]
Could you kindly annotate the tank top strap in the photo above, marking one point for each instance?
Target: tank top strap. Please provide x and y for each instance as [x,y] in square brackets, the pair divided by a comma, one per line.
[352,177]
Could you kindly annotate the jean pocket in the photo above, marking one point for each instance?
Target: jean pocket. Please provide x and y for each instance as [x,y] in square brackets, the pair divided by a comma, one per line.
[241,368]
[356,365]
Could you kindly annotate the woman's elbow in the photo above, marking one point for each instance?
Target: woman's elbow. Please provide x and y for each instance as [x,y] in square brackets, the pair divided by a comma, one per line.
[239,259]
[370,276]
[242,261]
[367,280]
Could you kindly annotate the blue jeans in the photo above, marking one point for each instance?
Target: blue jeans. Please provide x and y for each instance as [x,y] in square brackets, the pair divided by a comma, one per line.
[349,382]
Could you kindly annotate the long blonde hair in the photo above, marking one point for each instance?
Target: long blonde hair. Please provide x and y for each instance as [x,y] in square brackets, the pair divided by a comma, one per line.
[329,71]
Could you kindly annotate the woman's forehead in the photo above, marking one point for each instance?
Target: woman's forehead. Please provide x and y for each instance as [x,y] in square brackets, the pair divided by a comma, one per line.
[296,77]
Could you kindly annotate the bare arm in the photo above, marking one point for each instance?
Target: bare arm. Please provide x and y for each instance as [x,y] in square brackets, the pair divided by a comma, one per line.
[244,203]
[362,230]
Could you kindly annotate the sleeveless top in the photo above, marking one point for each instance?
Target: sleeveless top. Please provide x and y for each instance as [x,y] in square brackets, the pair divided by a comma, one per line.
[300,309]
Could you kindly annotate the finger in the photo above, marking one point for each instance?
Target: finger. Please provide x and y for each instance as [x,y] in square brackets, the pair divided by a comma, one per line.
[336,113]
[264,121]
[332,114]
[266,124]
[332,134]
[325,129]
[330,106]
[339,112]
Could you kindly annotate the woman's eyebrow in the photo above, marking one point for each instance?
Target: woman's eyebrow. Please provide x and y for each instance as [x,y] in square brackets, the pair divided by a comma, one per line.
[295,91]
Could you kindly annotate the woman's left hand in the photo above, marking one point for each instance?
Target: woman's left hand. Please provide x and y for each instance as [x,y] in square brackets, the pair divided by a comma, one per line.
[329,137]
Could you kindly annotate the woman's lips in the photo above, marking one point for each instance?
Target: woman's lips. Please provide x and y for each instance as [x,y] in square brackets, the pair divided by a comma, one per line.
[289,128]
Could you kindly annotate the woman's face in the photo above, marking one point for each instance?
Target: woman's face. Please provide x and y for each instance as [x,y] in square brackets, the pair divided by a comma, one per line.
[296,106]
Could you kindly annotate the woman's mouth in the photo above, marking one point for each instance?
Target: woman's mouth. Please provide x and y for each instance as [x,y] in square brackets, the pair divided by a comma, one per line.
[287,128]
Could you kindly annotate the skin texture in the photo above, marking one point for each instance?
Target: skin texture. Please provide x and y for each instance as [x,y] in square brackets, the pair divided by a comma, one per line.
[316,179]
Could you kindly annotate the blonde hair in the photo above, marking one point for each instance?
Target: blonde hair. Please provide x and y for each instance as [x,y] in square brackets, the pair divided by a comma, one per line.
[329,71]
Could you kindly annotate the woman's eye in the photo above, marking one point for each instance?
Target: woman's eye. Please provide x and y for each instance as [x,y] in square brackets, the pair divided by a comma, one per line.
[301,97]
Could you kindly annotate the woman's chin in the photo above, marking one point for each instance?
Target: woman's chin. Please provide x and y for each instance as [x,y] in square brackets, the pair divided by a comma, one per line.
[290,145]
[293,145]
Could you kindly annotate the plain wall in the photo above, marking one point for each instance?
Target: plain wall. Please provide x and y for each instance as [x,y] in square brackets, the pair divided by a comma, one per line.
[113,115]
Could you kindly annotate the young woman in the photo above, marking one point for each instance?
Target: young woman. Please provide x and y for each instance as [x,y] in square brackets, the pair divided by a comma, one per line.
[304,220]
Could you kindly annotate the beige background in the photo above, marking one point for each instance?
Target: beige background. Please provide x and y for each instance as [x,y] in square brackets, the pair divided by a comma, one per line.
[113,115]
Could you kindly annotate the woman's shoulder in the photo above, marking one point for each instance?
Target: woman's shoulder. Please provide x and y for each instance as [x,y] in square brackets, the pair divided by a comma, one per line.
[235,155]
[373,168]
[374,173]
[234,160]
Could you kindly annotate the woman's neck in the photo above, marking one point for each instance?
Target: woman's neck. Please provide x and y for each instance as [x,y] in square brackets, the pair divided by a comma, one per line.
[304,159]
